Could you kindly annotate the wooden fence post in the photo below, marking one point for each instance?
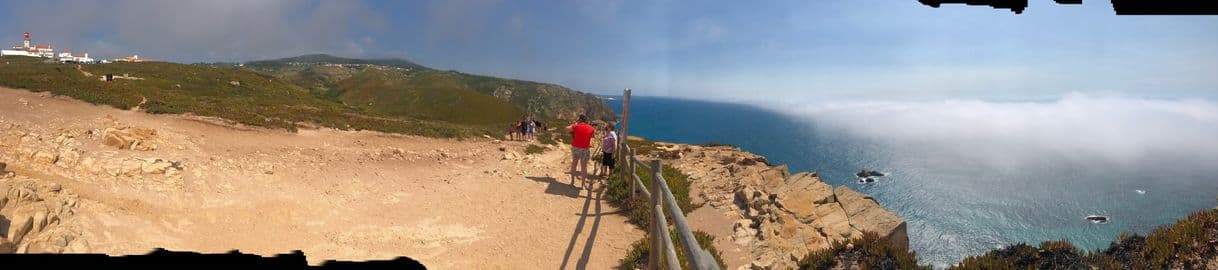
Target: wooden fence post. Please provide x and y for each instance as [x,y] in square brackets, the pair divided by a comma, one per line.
[629,175]
[657,248]
[623,136]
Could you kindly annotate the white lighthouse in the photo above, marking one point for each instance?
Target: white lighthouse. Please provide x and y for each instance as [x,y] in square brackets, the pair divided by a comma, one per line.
[27,41]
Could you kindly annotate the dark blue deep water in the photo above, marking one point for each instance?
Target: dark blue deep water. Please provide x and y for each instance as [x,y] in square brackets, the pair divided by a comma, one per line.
[954,205]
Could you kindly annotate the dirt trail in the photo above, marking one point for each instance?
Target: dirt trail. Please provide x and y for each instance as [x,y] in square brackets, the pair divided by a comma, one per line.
[333,194]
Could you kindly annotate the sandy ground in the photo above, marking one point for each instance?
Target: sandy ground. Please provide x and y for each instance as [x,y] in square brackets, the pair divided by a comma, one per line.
[333,194]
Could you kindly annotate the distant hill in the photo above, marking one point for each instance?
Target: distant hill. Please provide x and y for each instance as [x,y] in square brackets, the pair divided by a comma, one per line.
[330,59]
[399,87]
[389,95]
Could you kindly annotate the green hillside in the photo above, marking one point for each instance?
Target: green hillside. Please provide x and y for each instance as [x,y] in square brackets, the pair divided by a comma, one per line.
[389,95]
[403,88]
[311,59]
[234,94]
[428,95]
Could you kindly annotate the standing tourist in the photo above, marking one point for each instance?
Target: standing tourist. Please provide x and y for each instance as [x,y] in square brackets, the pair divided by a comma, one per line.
[581,140]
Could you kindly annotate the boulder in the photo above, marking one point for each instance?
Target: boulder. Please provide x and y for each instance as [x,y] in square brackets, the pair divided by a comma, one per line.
[509,155]
[156,166]
[866,214]
[17,196]
[131,138]
[68,157]
[802,194]
[867,173]
[18,227]
[45,158]
[774,177]
[674,154]
[743,232]
[832,220]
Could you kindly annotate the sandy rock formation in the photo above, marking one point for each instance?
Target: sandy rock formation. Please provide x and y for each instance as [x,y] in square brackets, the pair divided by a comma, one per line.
[866,214]
[133,138]
[38,214]
[63,153]
[781,217]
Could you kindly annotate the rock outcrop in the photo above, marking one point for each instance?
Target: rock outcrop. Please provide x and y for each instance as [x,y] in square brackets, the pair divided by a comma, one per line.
[38,217]
[866,214]
[781,216]
[133,138]
[65,153]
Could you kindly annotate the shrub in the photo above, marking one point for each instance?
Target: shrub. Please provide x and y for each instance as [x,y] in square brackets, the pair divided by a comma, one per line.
[619,193]
[534,149]
[639,251]
[870,252]
[716,144]
[546,137]
[1188,244]
[639,211]
[641,146]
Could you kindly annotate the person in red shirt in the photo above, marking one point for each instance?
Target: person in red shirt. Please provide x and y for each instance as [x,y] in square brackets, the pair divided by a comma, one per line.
[581,140]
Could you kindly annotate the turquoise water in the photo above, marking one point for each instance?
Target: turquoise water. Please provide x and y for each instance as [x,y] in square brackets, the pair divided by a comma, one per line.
[955,203]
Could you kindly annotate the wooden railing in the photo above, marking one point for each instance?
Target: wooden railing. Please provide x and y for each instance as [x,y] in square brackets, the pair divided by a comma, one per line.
[659,198]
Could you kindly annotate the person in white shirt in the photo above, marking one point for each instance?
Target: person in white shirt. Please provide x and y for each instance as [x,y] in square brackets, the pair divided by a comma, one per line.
[608,145]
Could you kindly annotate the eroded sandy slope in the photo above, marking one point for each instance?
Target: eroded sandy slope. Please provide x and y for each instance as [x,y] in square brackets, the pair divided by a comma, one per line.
[333,194]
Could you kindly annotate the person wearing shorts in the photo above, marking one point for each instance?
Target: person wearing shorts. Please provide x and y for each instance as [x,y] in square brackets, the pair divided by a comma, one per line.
[581,140]
[608,145]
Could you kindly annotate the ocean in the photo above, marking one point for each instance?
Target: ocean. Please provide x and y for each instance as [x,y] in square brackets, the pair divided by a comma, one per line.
[973,176]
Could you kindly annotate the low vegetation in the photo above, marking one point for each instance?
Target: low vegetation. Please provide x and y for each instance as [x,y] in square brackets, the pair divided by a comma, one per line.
[1191,243]
[534,149]
[547,137]
[640,214]
[619,193]
[395,96]
[870,252]
[398,87]
[637,256]
[642,146]
[239,96]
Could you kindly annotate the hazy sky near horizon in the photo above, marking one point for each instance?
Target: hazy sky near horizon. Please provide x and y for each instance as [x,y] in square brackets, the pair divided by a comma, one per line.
[789,51]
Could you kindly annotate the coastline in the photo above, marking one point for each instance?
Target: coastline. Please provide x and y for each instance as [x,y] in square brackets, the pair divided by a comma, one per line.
[765,217]
[771,226]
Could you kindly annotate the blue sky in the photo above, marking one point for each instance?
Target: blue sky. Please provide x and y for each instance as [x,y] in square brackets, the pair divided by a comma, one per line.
[725,50]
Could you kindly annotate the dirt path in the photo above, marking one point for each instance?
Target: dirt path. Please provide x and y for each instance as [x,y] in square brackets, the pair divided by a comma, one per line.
[332,194]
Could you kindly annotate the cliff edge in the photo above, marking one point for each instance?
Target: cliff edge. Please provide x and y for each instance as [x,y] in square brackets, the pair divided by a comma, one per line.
[776,218]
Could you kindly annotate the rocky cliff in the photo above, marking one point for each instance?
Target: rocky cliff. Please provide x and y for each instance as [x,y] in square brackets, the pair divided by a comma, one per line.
[779,217]
[37,217]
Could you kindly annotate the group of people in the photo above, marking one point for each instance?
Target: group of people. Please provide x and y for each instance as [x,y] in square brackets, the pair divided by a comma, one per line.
[525,129]
[582,133]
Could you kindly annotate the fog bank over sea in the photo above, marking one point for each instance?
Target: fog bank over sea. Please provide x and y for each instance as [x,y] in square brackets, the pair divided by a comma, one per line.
[1077,127]
[972,175]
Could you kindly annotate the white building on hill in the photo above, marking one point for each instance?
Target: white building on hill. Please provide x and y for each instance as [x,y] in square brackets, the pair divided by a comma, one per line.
[67,57]
[27,49]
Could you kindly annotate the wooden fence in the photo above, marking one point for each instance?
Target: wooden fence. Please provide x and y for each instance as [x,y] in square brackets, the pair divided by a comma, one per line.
[660,199]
